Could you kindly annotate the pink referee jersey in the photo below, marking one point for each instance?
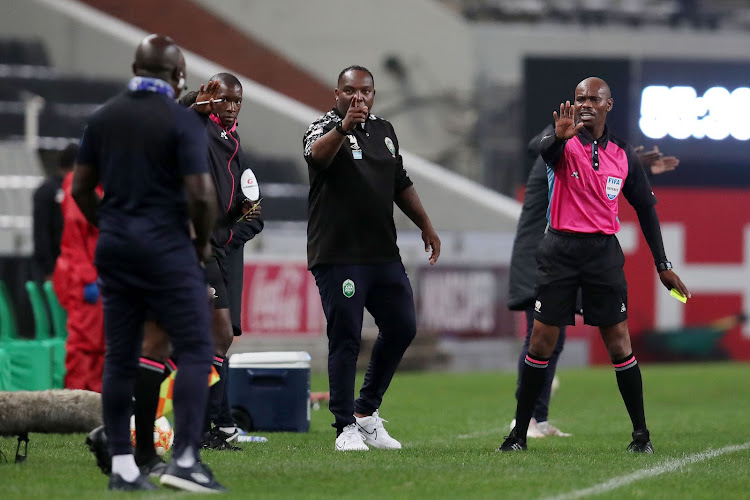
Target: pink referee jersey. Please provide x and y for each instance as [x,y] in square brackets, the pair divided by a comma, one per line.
[589,175]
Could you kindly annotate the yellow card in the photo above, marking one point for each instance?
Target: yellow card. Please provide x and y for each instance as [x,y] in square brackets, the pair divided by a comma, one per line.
[677,295]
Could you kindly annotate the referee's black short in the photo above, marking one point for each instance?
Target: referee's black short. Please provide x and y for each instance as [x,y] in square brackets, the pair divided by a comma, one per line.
[591,262]
[216,277]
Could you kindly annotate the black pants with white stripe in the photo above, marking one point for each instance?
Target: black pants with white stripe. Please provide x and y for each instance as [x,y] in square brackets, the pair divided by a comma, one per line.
[345,292]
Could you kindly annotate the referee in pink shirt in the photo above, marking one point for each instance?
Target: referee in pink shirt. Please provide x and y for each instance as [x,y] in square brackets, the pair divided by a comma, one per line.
[591,167]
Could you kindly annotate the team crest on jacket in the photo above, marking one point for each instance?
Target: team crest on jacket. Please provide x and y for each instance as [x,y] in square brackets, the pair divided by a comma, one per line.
[614,184]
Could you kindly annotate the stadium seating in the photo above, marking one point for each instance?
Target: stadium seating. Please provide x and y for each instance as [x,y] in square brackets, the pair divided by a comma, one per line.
[31,361]
[43,333]
[59,315]
[69,100]
[632,12]
[283,189]
[20,174]
[5,384]
[23,52]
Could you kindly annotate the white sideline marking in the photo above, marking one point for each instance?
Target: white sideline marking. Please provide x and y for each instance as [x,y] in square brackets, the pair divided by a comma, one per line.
[486,432]
[668,466]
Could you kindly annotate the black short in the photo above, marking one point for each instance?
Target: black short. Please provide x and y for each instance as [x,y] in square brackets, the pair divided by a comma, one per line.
[591,262]
[216,277]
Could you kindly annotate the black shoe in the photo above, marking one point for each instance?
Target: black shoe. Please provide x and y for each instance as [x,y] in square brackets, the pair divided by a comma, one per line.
[216,439]
[197,478]
[155,467]
[512,443]
[641,443]
[97,443]
[117,483]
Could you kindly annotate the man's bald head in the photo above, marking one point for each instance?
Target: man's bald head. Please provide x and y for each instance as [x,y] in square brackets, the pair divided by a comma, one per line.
[593,100]
[597,85]
[158,56]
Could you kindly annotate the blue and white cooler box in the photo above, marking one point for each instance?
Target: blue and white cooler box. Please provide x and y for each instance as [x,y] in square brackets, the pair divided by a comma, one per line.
[270,391]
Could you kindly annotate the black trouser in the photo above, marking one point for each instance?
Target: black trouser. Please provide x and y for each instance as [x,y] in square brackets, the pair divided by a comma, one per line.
[345,291]
[171,287]
[225,273]
[218,407]
[235,264]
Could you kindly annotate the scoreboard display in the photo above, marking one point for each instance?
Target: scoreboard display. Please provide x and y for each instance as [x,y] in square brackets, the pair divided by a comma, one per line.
[698,111]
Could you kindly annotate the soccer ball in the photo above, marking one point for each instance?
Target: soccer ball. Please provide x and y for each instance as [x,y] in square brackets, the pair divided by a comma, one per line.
[163,434]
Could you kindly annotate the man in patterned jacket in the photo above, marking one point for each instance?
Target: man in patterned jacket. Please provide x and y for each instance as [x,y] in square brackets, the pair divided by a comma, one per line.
[356,174]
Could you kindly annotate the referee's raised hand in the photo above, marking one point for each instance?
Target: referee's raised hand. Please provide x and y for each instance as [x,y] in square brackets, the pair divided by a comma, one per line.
[565,125]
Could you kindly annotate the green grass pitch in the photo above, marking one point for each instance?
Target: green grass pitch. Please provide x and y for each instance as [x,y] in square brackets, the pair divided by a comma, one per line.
[450,425]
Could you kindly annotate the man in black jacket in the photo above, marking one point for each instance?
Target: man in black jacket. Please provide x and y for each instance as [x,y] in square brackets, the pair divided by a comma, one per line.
[48,219]
[221,100]
[356,174]
[244,231]
[154,364]
[148,153]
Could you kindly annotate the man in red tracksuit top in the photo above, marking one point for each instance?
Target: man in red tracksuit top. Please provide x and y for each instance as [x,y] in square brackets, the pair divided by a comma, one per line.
[74,280]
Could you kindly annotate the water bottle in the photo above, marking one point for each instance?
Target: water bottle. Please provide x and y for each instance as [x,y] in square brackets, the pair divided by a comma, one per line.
[251,439]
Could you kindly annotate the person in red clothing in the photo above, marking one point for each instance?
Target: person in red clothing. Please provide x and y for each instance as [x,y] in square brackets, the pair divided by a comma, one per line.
[74,281]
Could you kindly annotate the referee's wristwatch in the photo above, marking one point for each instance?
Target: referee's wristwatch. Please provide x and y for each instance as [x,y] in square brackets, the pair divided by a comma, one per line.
[663,266]
[340,128]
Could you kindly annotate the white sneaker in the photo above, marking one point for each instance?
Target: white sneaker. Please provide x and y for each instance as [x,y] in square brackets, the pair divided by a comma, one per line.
[372,431]
[550,430]
[533,430]
[351,440]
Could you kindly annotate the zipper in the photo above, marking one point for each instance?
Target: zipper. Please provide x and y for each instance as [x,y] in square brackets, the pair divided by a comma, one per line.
[229,169]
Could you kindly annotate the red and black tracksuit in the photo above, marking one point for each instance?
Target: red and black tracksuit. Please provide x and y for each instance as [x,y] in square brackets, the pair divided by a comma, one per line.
[74,269]
[224,270]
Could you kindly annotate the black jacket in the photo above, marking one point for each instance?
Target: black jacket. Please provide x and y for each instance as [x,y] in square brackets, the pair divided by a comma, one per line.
[530,231]
[226,159]
[48,225]
[350,204]
[246,230]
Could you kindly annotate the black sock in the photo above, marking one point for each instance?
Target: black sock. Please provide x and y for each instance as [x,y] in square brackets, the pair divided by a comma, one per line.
[631,388]
[224,415]
[533,374]
[215,394]
[148,383]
